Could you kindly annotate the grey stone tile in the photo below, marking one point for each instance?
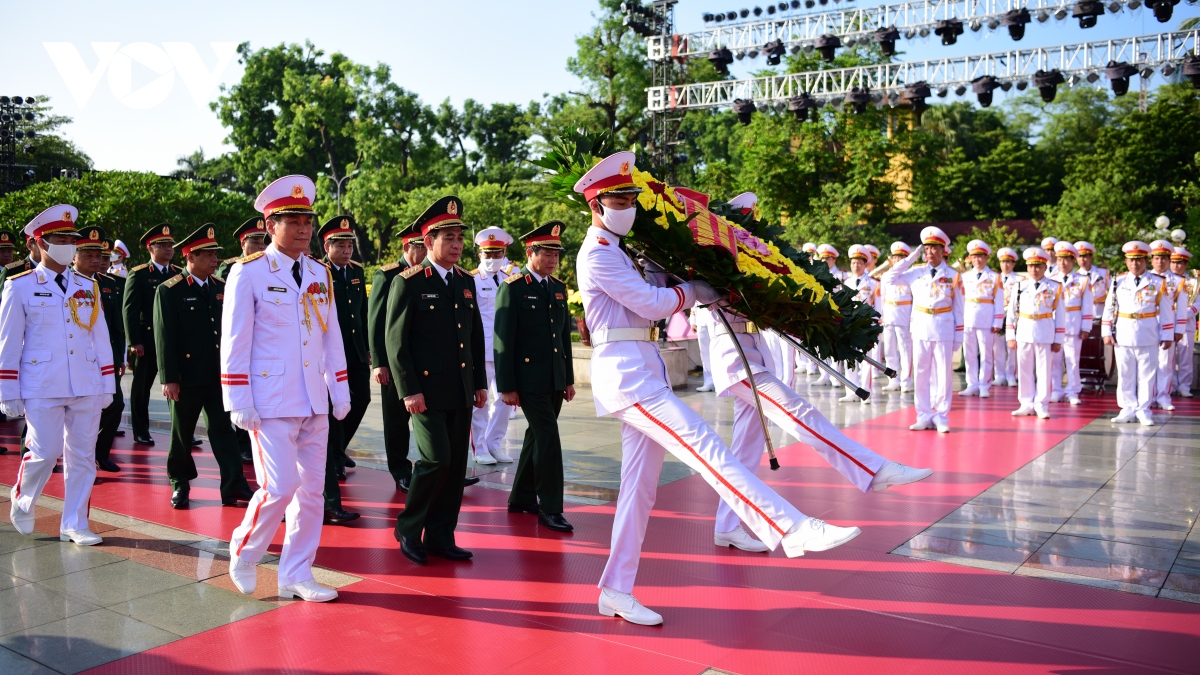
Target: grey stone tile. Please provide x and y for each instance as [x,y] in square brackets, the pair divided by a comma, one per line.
[119,582]
[86,640]
[996,534]
[1136,517]
[1094,582]
[11,540]
[1113,552]
[12,663]
[194,608]
[32,605]
[1095,528]
[54,560]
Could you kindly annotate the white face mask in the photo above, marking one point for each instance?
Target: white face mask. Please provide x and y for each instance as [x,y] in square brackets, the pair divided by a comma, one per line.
[116,257]
[62,254]
[492,265]
[619,222]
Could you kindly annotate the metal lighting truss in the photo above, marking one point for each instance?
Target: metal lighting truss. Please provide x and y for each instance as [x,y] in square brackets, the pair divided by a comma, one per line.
[1147,53]
[857,24]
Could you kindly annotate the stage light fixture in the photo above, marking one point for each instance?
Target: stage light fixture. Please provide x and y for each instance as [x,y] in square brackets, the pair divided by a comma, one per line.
[1005,85]
[1163,9]
[909,33]
[942,92]
[719,18]
[826,44]
[823,2]
[983,86]
[857,98]
[796,4]
[975,25]
[758,11]
[1119,74]
[1015,20]
[740,55]
[1168,70]
[708,17]
[783,6]
[1134,4]
[744,13]
[949,30]
[914,96]
[795,49]
[803,107]
[1047,82]
[4,100]
[774,51]
[744,109]
[1114,7]
[886,39]
[1092,76]
[1060,13]
[960,90]
[753,53]
[1022,85]
[720,59]
[809,4]
[1191,69]
[923,31]
[1043,16]
[1146,72]
[1087,11]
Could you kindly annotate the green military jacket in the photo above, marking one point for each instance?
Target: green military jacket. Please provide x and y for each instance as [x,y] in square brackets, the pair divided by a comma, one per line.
[532,339]
[377,311]
[112,294]
[138,310]
[226,265]
[187,330]
[435,337]
[350,293]
[14,268]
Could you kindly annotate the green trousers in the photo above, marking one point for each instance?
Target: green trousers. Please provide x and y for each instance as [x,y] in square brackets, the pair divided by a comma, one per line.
[110,420]
[341,431]
[181,468]
[395,431]
[539,478]
[145,371]
[435,495]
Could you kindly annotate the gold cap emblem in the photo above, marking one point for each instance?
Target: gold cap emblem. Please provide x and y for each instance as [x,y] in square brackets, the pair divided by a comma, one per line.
[211,233]
[94,235]
[345,224]
[452,208]
[297,191]
[624,168]
[555,230]
[166,230]
[491,237]
[259,224]
[67,216]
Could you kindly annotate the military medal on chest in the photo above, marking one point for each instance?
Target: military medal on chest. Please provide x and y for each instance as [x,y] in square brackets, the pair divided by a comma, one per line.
[316,296]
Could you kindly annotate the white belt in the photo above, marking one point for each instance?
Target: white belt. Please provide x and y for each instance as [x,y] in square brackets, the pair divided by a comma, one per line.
[606,335]
[743,327]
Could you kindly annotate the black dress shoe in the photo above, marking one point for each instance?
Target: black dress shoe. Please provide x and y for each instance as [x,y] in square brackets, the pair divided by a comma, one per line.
[413,550]
[555,521]
[531,509]
[239,495]
[450,552]
[107,464]
[470,480]
[339,516]
[350,464]
[179,498]
[403,483]
[143,440]
[196,442]
[341,473]
[120,433]
[247,458]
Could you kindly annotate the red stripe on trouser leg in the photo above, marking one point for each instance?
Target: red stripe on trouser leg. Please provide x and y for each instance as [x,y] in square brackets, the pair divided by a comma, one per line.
[809,430]
[263,488]
[20,474]
[711,470]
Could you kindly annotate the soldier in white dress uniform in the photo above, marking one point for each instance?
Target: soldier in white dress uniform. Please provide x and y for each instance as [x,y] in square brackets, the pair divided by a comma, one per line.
[1139,320]
[56,368]
[1036,326]
[829,255]
[1006,360]
[630,383]
[1078,297]
[120,254]
[1183,349]
[490,423]
[282,364]
[897,316]
[868,292]
[983,318]
[1097,274]
[1048,245]
[937,326]
[1160,260]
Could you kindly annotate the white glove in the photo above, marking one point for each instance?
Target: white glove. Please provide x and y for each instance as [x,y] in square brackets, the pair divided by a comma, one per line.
[705,294]
[340,410]
[13,408]
[245,418]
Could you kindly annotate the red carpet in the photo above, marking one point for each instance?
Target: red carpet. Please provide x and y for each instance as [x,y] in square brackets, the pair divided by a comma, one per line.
[527,602]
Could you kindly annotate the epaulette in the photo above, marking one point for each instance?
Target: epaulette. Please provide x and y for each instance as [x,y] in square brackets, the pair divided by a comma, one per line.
[18,276]
[462,271]
[513,278]
[389,267]
[356,263]
[231,260]
[177,267]
[253,256]
[217,278]
[412,271]
[475,272]
[84,276]
[317,260]
[558,280]
[170,283]
[1158,275]
[141,267]
[19,263]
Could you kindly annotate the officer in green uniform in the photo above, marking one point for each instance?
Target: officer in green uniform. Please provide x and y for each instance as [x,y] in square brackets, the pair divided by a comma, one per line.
[8,246]
[252,236]
[91,258]
[395,417]
[138,313]
[187,336]
[350,296]
[435,352]
[532,342]
[23,265]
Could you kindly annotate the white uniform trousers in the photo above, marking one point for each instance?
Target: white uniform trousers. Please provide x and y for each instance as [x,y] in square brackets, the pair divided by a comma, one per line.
[702,336]
[1183,363]
[977,352]
[809,366]
[490,423]
[1166,375]
[1033,374]
[67,428]
[897,353]
[1066,362]
[649,429]
[1137,368]
[785,362]
[799,418]
[289,465]
[1004,361]
[863,374]
[933,369]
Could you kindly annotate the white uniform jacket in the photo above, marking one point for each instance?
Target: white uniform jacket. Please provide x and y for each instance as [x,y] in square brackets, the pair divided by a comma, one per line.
[1010,282]
[615,296]
[281,347]
[53,344]
[1191,296]
[1081,305]
[486,288]
[983,293]
[897,302]
[1037,313]
[1142,313]
[937,300]
[118,270]
[1101,282]
[868,290]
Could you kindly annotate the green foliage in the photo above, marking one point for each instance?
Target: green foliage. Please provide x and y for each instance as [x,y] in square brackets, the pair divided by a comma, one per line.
[997,236]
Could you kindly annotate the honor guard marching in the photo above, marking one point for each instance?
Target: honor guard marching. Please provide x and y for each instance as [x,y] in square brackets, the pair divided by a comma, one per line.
[56,369]
[490,423]
[1139,321]
[90,260]
[983,318]
[868,293]
[1036,326]
[534,371]
[1005,359]
[187,345]
[630,383]
[896,317]
[350,296]
[1160,260]
[1078,298]
[252,237]
[435,351]
[1182,384]
[138,313]
[282,363]
[24,264]
[8,247]
[937,326]
[120,253]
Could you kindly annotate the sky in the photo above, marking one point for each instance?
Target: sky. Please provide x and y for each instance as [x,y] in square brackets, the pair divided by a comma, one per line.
[137,77]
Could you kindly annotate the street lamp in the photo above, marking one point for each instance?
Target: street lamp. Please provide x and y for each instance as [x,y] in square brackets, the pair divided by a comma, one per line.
[338,183]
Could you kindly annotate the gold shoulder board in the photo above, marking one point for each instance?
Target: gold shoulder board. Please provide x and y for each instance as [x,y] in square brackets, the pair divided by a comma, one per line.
[513,278]
[141,267]
[169,283]
[389,267]
[412,271]
[252,257]
[18,276]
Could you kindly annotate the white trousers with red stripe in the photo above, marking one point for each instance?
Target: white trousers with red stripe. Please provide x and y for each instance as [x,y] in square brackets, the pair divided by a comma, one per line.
[67,428]
[490,423]
[1066,360]
[1034,386]
[289,465]
[977,355]
[799,418]
[662,423]
[933,371]
[1166,375]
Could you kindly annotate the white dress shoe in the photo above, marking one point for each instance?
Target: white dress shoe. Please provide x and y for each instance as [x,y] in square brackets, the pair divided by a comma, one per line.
[624,605]
[1168,406]
[1056,398]
[905,388]
[848,398]
[865,401]
[21,521]
[816,535]
[705,387]
[1125,417]
[501,456]
[1043,413]
[740,539]
[891,386]
[1023,411]
[484,458]
[81,537]
[970,391]
[1012,383]
[943,428]
[984,393]
[1073,400]
[244,574]
[1145,419]
[308,590]
[895,473]
[1185,394]
[920,426]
